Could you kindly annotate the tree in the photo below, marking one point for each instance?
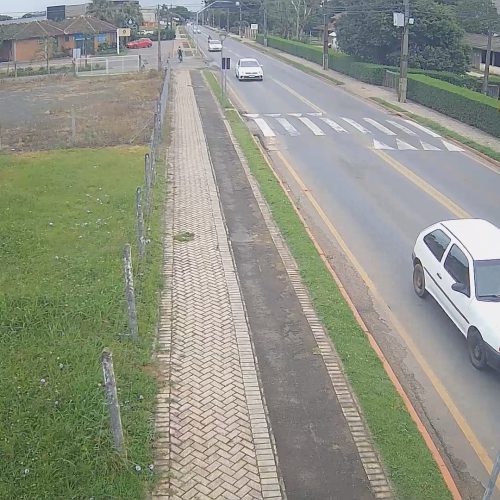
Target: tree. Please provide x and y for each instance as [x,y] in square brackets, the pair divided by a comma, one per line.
[115,14]
[435,38]
[477,16]
[5,18]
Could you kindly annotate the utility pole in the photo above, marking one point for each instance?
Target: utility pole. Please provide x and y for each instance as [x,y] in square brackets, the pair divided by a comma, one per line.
[159,37]
[265,23]
[487,62]
[227,21]
[403,75]
[325,35]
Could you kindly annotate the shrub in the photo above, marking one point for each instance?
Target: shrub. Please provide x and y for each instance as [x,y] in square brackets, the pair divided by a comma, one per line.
[463,104]
[367,72]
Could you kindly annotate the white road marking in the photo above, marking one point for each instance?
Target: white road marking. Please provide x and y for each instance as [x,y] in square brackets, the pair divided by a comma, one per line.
[356,125]
[402,145]
[334,125]
[406,130]
[297,115]
[423,129]
[251,115]
[380,145]
[452,147]
[315,114]
[311,126]
[429,147]
[288,126]
[378,125]
[264,127]
[273,115]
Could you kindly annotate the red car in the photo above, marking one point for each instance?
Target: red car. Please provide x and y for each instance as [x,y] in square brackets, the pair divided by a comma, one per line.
[140,44]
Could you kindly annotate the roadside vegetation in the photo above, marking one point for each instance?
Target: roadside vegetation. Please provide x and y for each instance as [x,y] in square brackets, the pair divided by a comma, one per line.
[408,461]
[65,216]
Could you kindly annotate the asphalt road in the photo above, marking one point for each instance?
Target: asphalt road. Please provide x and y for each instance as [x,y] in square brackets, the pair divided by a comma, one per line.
[380,180]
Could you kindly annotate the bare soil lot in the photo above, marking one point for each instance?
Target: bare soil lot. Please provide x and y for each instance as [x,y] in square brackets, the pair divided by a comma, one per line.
[36,113]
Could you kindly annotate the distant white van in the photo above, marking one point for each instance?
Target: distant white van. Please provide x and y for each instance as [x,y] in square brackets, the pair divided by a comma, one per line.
[214,46]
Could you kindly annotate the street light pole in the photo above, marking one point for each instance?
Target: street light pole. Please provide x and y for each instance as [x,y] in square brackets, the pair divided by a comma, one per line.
[403,72]
[238,4]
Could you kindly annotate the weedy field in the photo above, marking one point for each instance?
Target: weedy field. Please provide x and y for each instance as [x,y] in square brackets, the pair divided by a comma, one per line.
[68,111]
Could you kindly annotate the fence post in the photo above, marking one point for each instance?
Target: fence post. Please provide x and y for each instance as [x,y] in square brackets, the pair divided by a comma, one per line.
[139,222]
[147,182]
[112,403]
[493,478]
[129,291]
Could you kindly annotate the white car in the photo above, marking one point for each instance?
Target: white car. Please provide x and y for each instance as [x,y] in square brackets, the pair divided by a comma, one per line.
[249,69]
[214,46]
[458,263]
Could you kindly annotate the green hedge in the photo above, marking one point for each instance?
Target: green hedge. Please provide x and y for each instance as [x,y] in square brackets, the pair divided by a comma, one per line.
[366,72]
[463,104]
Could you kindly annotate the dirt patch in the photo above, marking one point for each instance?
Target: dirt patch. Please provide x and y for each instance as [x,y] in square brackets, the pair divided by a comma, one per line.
[39,113]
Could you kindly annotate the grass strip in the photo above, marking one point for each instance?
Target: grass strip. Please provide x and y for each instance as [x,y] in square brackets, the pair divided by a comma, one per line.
[486,150]
[65,217]
[407,459]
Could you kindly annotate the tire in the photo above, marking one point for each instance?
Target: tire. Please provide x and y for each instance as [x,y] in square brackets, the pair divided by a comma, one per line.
[419,280]
[477,350]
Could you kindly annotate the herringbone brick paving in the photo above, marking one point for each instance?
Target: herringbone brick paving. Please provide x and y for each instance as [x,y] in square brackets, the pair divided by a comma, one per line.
[213,439]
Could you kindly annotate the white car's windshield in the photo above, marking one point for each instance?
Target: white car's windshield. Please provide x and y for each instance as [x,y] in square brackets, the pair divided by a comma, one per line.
[487,277]
[249,64]
[214,42]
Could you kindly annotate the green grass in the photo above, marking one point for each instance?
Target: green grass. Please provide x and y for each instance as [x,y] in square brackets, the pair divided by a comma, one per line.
[495,155]
[64,219]
[411,467]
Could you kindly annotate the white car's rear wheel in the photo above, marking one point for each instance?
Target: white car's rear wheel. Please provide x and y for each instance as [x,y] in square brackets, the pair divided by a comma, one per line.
[419,280]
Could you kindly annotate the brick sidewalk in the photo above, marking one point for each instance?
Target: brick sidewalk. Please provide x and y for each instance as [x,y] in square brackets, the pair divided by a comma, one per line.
[366,91]
[213,439]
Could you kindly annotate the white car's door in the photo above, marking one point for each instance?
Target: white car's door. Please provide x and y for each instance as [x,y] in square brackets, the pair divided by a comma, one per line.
[457,286]
[433,248]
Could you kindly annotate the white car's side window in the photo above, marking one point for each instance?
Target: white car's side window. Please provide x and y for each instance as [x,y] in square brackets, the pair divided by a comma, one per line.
[437,242]
[457,265]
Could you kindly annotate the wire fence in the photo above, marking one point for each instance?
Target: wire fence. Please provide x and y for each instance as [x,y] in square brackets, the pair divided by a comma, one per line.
[98,66]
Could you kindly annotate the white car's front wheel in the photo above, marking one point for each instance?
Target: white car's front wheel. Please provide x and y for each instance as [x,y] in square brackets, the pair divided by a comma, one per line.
[477,350]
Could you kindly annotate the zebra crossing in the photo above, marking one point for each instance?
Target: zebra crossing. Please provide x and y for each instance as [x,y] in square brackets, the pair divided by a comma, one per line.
[389,134]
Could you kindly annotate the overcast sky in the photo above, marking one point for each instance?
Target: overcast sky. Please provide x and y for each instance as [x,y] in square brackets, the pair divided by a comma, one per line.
[23,6]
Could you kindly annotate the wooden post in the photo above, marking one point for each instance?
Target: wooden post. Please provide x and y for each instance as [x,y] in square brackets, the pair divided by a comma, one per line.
[147,181]
[139,216]
[115,421]
[73,124]
[129,292]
